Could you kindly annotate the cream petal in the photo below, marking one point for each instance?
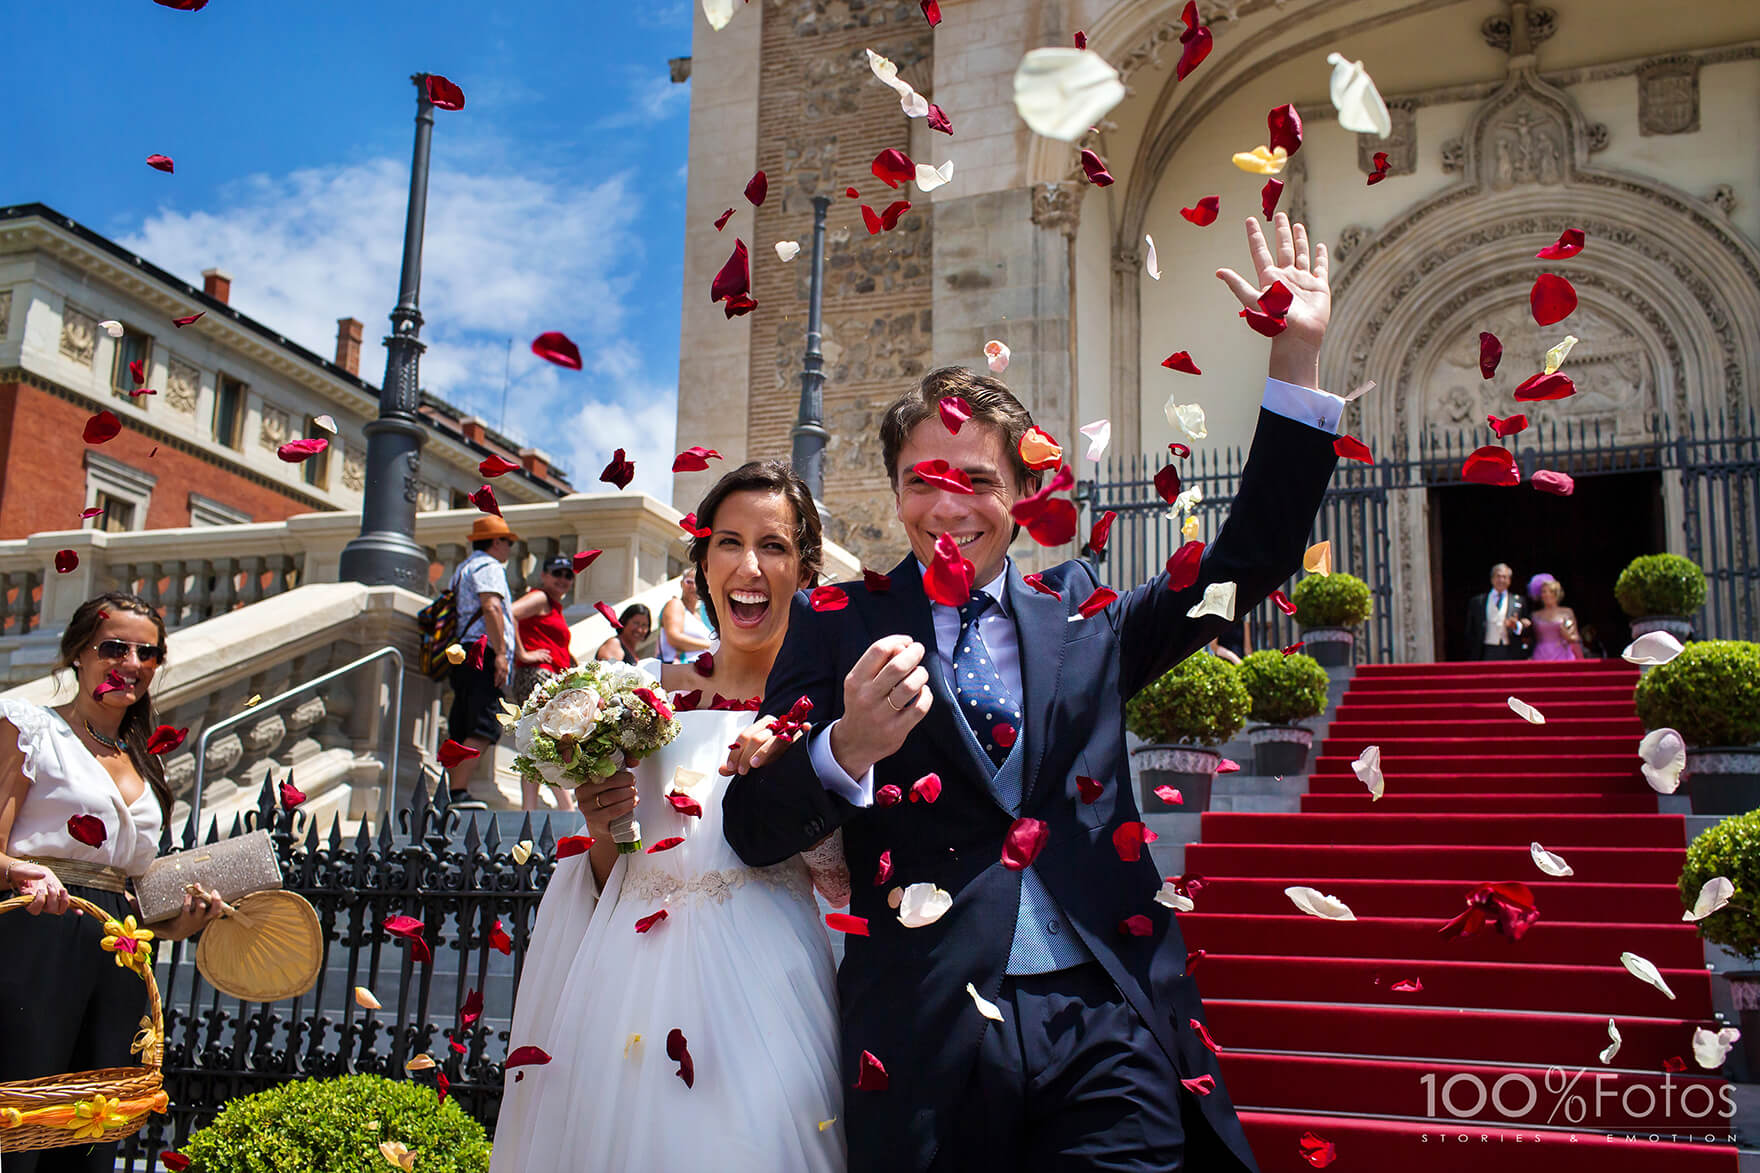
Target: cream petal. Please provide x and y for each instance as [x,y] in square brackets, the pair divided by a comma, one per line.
[522,851]
[1612,1049]
[1061,92]
[1664,754]
[985,1007]
[1710,1050]
[929,178]
[1187,417]
[1151,265]
[1651,648]
[922,904]
[913,104]
[1099,435]
[1713,895]
[1171,897]
[1354,96]
[1262,160]
[719,12]
[422,1062]
[1218,600]
[1526,711]
[325,422]
[1367,768]
[1189,528]
[1317,559]
[114,329]
[1546,861]
[787,250]
[1644,971]
[363,998]
[996,354]
[1316,903]
[1556,356]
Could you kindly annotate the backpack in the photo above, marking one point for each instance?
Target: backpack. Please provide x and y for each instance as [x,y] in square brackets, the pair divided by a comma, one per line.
[439,627]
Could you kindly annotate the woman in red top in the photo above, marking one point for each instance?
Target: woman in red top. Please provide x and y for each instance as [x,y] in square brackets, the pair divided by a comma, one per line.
[544,637]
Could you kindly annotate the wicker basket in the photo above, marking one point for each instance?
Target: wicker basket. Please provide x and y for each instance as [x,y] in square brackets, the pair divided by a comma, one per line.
[87,1107]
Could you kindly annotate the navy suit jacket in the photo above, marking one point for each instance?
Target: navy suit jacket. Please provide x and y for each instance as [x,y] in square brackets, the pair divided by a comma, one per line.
[903,991]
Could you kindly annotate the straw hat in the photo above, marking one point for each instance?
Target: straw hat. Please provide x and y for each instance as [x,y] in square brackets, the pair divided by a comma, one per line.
[490,526]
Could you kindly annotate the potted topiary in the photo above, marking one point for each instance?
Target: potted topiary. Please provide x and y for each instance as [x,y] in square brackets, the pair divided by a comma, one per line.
[1198,703]
[1285,690]
[1710,695]
[1731,849]
[1659,592]
[1329,608]
[352,1124]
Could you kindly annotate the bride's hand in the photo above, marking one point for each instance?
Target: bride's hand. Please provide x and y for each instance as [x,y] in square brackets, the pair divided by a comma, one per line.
[751,748]
[602,803]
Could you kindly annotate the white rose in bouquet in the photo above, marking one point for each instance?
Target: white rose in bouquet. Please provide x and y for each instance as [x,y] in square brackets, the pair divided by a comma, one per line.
[570,713]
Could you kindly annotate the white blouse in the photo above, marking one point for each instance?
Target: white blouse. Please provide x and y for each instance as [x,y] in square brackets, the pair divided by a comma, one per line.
[66,780]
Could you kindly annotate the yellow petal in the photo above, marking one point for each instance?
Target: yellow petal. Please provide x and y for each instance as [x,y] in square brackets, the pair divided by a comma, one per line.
[1318,559]
[1556,356]
[824,1124]
[255,697]
[398,1154]
[522,851]
[632,1047]
[1189,529]
[1262,161]
[422,1062]
[455,653]
[985,1007]
[363,998]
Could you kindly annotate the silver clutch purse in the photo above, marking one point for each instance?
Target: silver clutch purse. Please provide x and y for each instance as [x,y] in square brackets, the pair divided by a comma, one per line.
[235,867]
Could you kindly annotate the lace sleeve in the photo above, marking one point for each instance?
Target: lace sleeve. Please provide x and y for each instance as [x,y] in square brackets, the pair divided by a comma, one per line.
[830,873]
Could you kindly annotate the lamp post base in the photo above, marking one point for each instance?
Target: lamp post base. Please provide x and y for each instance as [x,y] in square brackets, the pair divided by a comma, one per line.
[385,558]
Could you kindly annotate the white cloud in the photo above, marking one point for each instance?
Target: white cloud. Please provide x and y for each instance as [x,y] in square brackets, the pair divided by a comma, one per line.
[509,253]
[651,99]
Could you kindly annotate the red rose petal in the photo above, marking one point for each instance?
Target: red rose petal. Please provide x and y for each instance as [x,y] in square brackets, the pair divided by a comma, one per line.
[1196,40]
[1317,1150]
[739,305]
[926,789]
[872,1075]
[943,476]
[721,220]
[1192,959]
[643,924]
[1167,483]
[498,938]
[410,929]
[1089,788]
[1203,1085]
[948,580]
[484,499]
[495,466]
[619,472]
[954,412]
[1269,195]
[527,1056]
[1283,602]
[735,276]
[1351,448]
[1023,843]
[1552,299]
[883,872]
[1557,385]
[88,829]
[457,1047]
[604,609]
[1037,582]
[1674,1065]
[1170,796]
[1276,299]
[1508,426]
[173,1160]
[684,804]
[828,598]
[442,1085]
[1265,324]
[652,699]
[1181,360]
[112,682]
[1044,442]
[1128,840]
[757,187]
[1548,480]
[888,795]
[893,167]
[191,320]
[102,428]
[1100,533]
[1094,167]
[1097,602]
[66,561]
[164,739]
[1203,1034]
[1569,244]
[932,12]
[291,795]
[161,163]
[877,583]
[666,844]
[1380,171]
[852,193]
[1136,926]
[1491,465]
[1183,566]
[555,346]
[1179,450]
[1285,127]
[452,753]
[94,511]
[1050,521]
[572,845]
[1490,354]
[889,218]
[843,922]
[696,458]
[1081,39]
[1005,735]
[472,1009]
[137,371]
[1408,986]
[1204,212]
[443,93]
[937,119]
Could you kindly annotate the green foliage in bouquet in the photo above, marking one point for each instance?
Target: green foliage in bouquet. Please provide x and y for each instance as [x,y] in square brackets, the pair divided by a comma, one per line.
[588,723]
[1660,584]
[1199,701]
[337,1125]
[1285,689]
[1331,600]
[1709,694]
[1730,849]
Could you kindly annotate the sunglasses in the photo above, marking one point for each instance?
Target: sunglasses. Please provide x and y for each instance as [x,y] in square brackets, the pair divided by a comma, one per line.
[563,573]
[117,649]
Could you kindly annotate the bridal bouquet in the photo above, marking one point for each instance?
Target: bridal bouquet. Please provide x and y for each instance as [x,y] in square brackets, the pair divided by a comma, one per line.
[586,724]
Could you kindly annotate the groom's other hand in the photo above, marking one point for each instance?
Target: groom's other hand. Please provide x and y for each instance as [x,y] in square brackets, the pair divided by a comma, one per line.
[1295,353]
[753,747]
[884,696]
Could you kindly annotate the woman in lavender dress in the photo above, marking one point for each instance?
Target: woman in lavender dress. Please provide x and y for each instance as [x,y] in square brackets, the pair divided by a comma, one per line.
[1555,626]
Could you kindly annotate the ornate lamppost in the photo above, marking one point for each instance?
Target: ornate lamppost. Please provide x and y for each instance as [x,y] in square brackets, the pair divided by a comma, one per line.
[810,435]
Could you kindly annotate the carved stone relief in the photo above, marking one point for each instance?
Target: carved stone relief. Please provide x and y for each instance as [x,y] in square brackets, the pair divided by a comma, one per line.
[1401,146]
[1524,146]
[429,496]
[79,335]
[1499,34]
[1454,156]
[307,714]
[1294,200]
[1723,197]
[276,428]
[1350,238]
[1668,96]
[183,383]
[5,310]
[1057,206]
[354,468]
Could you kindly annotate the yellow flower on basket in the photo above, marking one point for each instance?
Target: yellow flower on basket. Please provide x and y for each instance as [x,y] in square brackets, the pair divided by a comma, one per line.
[129,942]
[94,1117]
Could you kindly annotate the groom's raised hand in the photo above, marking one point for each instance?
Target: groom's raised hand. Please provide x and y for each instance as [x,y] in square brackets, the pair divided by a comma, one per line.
[1295,353]
[884,696]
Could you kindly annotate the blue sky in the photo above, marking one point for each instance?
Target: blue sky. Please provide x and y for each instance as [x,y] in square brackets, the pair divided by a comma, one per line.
[556,201]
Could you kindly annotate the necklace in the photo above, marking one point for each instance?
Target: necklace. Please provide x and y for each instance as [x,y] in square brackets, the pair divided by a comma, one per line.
[113,743]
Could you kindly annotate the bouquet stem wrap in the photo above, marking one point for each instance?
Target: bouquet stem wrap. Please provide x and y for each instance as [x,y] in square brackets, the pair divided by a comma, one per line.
[627,834]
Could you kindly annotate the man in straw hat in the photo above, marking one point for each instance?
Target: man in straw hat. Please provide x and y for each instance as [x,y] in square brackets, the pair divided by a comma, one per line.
[480,583]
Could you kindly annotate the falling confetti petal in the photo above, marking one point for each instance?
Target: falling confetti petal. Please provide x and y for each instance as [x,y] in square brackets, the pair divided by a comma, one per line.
[996,355]
[1491,465]
[1644,971]
[399,1154]
[1379,171]
[1556,356]
[295,451]
[1547,480]
[1651,648]
[1171,897]
[1269,195]
[1128,840]
[1408,986]
[1218,600]
[66,561]
[788,250]
[160,163]
[88,829]
[1713,895]
[912,103]
[1181,360]
[1188,418]
[443,93]
[843,922]
[1284,126]
[114,329]
[1094,167]
[363,998]
[1546,861]
[1509,426]
[929,178]
[102,428]
[1060,93]
[1351,448]
[1664,755]
[1710,1050]
[1545,386]
[1552,299]
[1204,212]
[719,12]
[1316,1149]
[1526,711]
[1099,435]
[1316,903]
[522,851]
[721,220]
[1151,265]
[923,904]
[1490,354]
[757,188]
[1183,565]
[422,1062]
[1612,1048]
[1569,244]
[1317,559]
[1358,102]
[871,1076]
[554,346]
[1196,42]
[1367,768]
[1262,161]
[985,1007]
[1025,840]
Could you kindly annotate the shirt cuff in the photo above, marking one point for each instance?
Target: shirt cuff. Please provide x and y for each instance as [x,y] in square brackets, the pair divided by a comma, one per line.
[833,777]
[1317,409]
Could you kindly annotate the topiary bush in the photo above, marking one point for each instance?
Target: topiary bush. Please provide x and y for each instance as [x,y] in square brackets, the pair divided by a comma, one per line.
[1199,701]
[1710,694]
[1660,584]
[1285,689]
[1331,600]
[1730,849]
[336,1125]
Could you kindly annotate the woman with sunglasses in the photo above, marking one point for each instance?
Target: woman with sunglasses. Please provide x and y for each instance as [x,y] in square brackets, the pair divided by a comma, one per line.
[543,648]
[82,803]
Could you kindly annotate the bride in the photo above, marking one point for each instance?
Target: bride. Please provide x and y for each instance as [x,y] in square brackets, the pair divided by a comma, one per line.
[736,972]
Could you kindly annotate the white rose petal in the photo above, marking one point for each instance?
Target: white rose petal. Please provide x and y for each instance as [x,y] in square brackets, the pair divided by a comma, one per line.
[1218,600]
[1187,417]
[1358,102]
[922,904]
[1712,896]
[912,103]
[686,780]
[1316,903]
[522,851]
[1556,356]
[996,354]
[1061,92]
[1151,265]
[114,329]
[1664,753]
[1187,499]
[1612,1049]
[325,422]
[985,1007]
[1367,768]
[1171,897]
[719,12]
[1644,971]
[1099,435]
[787,250]
[1656,647]
[1526,711]
[1710,1050]
[1546,861]
[929,178]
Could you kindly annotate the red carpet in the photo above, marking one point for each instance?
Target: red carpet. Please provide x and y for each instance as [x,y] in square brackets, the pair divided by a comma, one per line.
[1493,1060]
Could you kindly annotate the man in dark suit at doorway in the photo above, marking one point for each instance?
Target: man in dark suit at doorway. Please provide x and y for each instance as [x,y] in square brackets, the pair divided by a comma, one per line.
[1497,620]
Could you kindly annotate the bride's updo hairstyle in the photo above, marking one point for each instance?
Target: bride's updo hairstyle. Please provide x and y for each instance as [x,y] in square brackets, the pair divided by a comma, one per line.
[760,476]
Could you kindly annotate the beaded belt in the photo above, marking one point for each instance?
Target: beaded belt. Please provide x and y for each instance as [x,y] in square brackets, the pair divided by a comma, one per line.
[85,875]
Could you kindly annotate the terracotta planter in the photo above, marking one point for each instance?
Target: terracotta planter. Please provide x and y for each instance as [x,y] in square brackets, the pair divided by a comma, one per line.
[1280,750]
[1331,647]
[1189,769]
[1723,779]
[1678,626]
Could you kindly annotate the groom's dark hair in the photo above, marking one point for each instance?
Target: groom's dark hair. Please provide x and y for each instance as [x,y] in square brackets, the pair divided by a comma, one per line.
[992,404]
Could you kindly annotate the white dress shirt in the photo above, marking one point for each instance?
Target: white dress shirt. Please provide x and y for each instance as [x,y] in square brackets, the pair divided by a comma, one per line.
[1496,611]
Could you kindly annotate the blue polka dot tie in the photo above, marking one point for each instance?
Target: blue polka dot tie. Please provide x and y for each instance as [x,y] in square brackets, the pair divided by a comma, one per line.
[992,713]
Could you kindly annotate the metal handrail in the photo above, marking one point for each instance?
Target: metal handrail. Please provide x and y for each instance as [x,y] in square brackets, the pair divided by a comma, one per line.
[257,710]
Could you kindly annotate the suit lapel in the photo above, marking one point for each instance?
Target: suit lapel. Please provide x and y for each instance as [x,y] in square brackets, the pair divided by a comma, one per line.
[905,609]
[1041,627]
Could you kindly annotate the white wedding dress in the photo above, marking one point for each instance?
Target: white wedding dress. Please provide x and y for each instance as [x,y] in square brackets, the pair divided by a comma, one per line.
[741,965]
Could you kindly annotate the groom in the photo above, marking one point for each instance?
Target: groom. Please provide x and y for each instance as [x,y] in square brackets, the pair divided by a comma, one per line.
[1017,702]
